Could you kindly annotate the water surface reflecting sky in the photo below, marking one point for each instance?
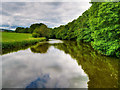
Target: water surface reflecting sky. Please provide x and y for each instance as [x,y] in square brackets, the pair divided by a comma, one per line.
[53,69]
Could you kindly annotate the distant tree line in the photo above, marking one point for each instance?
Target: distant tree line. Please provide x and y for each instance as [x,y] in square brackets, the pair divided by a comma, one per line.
[99,25]
[28,30]
[6,30]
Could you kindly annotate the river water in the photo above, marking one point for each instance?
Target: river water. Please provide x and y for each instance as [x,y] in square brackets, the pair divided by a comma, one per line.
[59,64]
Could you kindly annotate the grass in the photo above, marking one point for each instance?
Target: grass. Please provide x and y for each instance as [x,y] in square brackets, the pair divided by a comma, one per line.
[13,37]
[18,40]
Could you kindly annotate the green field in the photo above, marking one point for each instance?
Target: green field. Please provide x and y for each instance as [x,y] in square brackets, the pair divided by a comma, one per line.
[15,37]
[17,40]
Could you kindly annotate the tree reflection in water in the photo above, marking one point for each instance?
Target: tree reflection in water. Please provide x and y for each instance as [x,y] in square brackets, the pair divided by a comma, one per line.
[40,48]
[102,70]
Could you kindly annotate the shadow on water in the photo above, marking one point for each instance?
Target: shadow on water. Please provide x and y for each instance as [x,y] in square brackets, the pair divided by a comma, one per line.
[101,70]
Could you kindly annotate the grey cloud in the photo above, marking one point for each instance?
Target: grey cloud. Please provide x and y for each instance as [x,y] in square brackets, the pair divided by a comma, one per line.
[51,13]
[12,7]
[46,0]
[54,3]
[5,13]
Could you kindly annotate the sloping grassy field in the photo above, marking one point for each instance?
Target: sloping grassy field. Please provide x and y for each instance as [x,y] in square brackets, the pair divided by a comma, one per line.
[15,40]
[14,37]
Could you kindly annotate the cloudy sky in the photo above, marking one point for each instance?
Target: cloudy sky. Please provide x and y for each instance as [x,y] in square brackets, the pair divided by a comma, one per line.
[53,14]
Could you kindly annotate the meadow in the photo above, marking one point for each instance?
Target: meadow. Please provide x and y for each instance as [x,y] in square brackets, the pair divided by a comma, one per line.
[17,40]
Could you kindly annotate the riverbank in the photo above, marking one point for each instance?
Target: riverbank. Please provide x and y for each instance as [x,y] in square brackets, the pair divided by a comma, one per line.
[17,40]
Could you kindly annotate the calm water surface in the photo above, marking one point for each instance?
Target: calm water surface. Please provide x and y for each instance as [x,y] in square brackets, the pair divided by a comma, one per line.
[59,64]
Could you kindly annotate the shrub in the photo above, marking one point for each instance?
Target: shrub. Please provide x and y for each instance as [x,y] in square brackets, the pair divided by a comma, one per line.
[35,35]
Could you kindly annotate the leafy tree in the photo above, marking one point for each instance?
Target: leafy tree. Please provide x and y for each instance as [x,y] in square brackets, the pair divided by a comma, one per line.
[34,26]
[99,25]
[20,29]
[43,31]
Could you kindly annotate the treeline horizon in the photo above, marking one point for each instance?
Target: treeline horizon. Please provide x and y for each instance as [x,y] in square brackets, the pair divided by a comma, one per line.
[99,25]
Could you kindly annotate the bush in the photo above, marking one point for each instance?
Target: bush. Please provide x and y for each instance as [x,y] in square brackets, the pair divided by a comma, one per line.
[35,35]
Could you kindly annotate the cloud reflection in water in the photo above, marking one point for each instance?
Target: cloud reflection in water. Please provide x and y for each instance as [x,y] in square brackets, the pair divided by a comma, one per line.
[26,69]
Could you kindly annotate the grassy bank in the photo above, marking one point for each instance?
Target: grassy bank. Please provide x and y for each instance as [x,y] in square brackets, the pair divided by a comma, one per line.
[17,40]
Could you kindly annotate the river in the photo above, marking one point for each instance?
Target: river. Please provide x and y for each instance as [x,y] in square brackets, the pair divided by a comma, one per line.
[59,64]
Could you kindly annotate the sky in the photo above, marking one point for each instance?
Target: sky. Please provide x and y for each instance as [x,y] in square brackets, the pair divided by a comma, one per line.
[53,14]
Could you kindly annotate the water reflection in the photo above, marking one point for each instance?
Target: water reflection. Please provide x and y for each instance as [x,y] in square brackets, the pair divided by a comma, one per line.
[15,49]
[40,48]
[54,64]
[39,82]
[102,70]
[26,69]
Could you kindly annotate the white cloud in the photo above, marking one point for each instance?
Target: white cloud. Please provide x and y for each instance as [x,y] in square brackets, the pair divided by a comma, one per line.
[45,0]
[60,0]
[51,13]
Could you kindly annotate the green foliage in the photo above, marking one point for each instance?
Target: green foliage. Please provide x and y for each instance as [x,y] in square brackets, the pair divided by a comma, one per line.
[35,35]
[34,26]
[16,40]
[99,25]
[105,28]
[20,30]
[28,30]
[84,35]
[42,31]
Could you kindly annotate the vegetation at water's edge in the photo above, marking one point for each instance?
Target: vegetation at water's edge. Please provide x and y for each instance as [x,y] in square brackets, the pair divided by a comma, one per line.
[15,40]
[99,25]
